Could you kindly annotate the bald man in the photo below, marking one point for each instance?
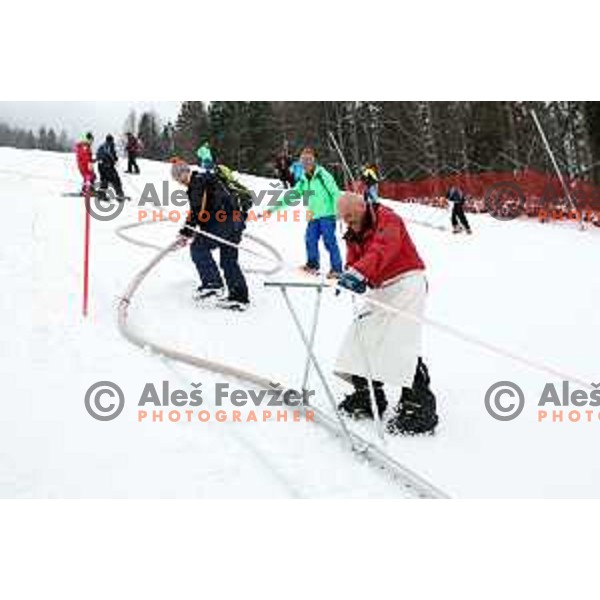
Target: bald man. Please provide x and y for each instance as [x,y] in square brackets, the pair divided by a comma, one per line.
[383,345]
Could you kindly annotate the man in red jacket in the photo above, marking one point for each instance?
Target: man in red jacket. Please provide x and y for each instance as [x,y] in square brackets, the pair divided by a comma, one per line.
[85,162]
[384,346]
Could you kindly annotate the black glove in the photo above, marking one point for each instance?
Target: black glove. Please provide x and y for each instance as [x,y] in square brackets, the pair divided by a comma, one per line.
[187,231]
[352,280]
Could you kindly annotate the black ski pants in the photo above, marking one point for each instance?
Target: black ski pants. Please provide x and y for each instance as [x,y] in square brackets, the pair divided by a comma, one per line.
[201,251]
[110,176]
[458,216]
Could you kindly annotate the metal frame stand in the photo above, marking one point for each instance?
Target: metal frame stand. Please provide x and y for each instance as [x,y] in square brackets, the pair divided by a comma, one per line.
[309,341]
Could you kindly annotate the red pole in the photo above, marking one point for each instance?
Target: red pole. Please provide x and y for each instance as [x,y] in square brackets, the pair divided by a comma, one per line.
[86,254]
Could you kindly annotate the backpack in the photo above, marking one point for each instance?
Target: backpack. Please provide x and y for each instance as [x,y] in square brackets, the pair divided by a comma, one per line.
[421,390]
[239,193]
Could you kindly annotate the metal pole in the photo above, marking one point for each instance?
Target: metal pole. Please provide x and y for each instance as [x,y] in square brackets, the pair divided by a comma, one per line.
[349,177]
[341,155]
[315,362]
[86,253]
[313,334]
[554,163]
[365,357]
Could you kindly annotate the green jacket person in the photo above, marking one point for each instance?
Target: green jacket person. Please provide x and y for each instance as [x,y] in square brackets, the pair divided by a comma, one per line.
[322,192]
[205,156]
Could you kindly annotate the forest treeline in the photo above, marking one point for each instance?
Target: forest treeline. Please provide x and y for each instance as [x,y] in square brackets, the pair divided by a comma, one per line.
[406,140]
[42,139]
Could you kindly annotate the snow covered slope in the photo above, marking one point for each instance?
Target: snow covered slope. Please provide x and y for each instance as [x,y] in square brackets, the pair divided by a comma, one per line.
[530,288]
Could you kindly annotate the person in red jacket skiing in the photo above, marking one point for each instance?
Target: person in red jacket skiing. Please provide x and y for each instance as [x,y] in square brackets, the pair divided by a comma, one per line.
[384,346]
[85,162]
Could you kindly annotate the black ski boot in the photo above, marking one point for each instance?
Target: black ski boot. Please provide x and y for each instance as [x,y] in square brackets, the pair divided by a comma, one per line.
[416,412]
[103,196]
[358,404]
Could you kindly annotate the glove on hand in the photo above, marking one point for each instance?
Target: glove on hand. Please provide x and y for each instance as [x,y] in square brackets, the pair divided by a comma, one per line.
[352,280]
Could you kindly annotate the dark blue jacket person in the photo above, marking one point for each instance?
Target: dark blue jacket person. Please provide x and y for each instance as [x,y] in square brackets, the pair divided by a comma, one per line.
[107,159]
[459,219]
[213,210]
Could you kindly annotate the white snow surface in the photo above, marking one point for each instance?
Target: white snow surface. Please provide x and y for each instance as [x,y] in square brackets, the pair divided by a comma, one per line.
[526,287]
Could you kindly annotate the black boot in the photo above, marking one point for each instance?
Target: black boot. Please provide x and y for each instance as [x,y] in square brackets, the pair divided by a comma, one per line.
[358,403]
[416,412]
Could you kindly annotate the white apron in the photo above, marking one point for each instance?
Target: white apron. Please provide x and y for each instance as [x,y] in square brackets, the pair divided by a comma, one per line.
[391,343]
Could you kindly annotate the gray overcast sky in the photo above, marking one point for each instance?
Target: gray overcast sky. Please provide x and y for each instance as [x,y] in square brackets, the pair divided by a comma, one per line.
[79,117]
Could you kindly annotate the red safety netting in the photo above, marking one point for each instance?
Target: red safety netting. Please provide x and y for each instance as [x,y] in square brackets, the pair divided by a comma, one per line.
[535,193]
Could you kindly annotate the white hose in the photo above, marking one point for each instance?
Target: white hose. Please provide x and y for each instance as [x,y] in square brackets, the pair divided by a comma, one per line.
[398,472]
